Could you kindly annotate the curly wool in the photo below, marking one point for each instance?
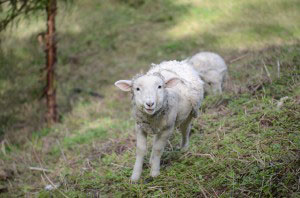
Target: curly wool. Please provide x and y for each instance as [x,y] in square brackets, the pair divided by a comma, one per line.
[206,61]
[192,86]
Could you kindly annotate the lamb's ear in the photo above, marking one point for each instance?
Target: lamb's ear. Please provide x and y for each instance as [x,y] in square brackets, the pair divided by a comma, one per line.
[124,85]
[172,82]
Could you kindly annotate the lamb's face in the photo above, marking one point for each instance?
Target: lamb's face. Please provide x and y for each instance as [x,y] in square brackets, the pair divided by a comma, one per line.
[149,91]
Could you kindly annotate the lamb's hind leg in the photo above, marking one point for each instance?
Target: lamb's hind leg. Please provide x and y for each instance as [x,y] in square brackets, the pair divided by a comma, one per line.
[217,87]
[185,129]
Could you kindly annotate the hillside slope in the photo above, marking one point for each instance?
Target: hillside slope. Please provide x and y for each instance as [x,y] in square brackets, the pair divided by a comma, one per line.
[245,143]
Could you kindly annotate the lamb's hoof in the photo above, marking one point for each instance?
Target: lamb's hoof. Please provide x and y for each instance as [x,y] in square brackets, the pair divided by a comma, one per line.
[133,182]
[184,148]
[134,179]
[195,113]
[155,173]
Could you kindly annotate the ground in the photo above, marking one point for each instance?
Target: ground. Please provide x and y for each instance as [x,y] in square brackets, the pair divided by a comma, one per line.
[245,142]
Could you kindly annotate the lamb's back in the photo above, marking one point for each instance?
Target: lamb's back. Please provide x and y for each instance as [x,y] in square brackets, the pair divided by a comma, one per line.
[182,70]
[205,61]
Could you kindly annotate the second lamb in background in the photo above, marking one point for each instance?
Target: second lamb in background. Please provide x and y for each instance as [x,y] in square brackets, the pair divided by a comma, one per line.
[212,70]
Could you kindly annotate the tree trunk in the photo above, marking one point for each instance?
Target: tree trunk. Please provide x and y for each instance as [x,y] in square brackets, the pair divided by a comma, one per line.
[50,62]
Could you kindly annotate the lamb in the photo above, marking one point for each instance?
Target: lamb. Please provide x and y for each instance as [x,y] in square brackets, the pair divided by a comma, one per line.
[211,68]
[168,96]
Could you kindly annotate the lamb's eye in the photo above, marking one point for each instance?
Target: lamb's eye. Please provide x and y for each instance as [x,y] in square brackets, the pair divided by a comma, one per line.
[159,87]
[138,89]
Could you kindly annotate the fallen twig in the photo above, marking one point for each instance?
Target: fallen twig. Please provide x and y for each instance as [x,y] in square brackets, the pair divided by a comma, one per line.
[44,172]
[278,69]
[55,186]
[238,58]
[118,165]
[203,154]
[215,193]
[61,150]
[170,145]
[267,71]
[40,169]
[3,146]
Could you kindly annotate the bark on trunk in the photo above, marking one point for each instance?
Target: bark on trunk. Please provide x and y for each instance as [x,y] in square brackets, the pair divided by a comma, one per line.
[50,62]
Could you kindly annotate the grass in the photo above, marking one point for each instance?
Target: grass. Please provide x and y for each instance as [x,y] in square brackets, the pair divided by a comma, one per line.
[243,144]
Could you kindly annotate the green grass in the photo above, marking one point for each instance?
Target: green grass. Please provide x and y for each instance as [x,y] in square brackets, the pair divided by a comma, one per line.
[242,145]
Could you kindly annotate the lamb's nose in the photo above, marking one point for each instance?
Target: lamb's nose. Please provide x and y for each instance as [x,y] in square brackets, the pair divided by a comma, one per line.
[149,104]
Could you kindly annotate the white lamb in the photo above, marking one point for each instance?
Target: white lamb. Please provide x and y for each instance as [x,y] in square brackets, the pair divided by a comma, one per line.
[211,68]
[167,97]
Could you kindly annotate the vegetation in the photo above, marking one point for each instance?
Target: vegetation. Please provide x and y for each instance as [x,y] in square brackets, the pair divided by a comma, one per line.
[245,143]
[12,10]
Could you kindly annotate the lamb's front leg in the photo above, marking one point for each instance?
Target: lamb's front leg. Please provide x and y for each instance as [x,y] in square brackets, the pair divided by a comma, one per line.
[141,150]
[159,143]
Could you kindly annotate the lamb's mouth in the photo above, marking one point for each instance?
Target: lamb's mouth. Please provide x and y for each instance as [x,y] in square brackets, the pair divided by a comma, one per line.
[149,111]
